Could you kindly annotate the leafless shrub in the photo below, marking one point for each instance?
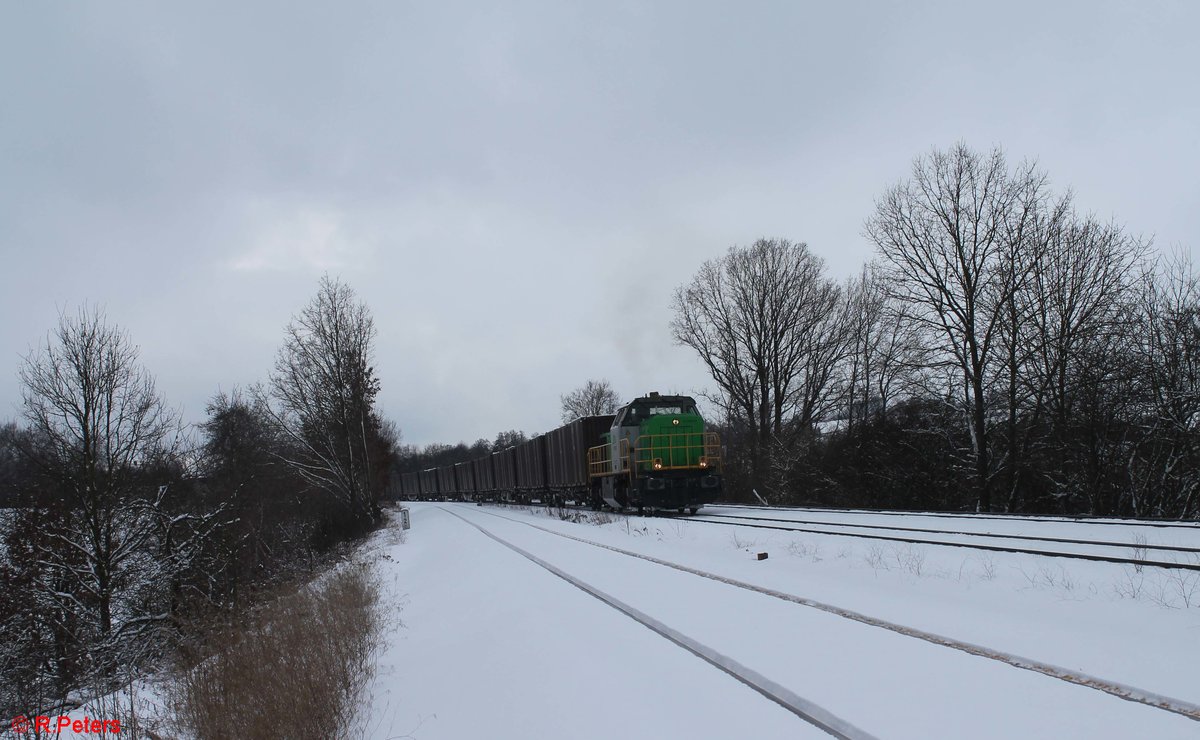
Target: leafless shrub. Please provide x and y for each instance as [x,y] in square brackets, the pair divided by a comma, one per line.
[564,513]
[1046,577]
[874,558]
[600,518]
[739,543]
[1175,589]
[800,549]
[987,568]
[137,715]
[1065,579]
[1139,551]
[305,656]
[679,526]
[911,559]
[1131,583]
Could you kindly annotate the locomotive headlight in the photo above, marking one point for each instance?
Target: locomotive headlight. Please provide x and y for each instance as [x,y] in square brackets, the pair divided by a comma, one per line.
[658,463]
[675,422]
[704,462]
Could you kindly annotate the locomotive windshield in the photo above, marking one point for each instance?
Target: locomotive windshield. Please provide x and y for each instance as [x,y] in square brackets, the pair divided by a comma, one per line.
[640,410]
[675,410]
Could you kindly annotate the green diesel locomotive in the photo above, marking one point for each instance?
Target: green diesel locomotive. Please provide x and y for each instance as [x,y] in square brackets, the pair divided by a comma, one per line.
[658,454]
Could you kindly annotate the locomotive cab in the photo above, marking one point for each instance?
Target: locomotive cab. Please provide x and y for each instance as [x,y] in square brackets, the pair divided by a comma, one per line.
[657,455]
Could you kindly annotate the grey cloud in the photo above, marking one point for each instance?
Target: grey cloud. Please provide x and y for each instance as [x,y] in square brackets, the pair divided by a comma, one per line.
[494,181]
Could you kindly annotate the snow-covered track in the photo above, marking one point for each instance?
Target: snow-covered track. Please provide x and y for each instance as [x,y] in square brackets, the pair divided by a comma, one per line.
[1181,707]
[966,533]
[781,695]
[971,516]
[1095,557]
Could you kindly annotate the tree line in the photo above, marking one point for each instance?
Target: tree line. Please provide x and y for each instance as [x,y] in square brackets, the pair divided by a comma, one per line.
[1003,351]
[126,533]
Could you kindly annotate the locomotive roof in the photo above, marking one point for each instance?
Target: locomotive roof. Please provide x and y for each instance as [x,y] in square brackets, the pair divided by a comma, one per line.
[656,397]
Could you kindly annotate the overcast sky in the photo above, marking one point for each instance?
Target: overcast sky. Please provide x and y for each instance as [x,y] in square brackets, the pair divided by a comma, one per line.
[515,191]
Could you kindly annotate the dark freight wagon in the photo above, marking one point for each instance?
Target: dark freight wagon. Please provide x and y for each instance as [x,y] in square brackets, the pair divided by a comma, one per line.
[447,486]
[566,453]
[531,466]
[485,478]
[410,486]
[429,483]
[464,475]
[504,467]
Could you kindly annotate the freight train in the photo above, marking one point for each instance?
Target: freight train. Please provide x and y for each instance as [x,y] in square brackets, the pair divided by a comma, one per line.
[654,454]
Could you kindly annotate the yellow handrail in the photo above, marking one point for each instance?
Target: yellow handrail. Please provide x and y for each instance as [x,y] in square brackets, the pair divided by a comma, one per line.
[657,452]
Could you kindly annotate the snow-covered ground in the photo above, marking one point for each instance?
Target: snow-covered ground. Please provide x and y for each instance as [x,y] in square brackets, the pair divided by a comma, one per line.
[1175,545]
[491,644]
[1126,535]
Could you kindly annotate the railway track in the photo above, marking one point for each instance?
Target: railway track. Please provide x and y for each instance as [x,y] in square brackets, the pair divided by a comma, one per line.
[1085,519]
[1123,691]
[828,528]
[1191,555]
[967,533]
[806,710]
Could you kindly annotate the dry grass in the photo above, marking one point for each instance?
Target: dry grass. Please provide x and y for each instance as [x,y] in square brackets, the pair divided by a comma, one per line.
[295,669]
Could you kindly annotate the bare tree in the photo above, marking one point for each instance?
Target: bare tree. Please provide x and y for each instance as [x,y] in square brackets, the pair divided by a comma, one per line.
[1074,309]
[510,438]
[943,235]
[885,347]
[1167,462]
[769,326]
[97,425]
[595,398]
[1024,251]
[324,390]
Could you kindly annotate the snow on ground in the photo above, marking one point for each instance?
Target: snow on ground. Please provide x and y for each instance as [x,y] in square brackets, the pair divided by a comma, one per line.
[493,645]
[1111,621]
[1130,537]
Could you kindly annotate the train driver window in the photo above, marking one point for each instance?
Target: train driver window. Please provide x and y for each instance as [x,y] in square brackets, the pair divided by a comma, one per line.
[671,410]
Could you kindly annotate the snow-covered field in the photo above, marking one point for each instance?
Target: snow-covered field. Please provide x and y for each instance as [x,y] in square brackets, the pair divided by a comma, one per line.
[492,644]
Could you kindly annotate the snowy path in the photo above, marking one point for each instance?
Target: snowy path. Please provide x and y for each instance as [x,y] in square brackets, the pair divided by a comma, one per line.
[474,606]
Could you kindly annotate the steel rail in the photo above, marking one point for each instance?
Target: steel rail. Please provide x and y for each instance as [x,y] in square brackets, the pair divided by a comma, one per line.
[989,548]
[806,710]
[1036,538]
[1048,519]
[1134,694]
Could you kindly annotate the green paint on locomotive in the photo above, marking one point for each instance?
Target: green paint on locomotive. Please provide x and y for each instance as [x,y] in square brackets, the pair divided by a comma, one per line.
[664,433]
[671,441]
